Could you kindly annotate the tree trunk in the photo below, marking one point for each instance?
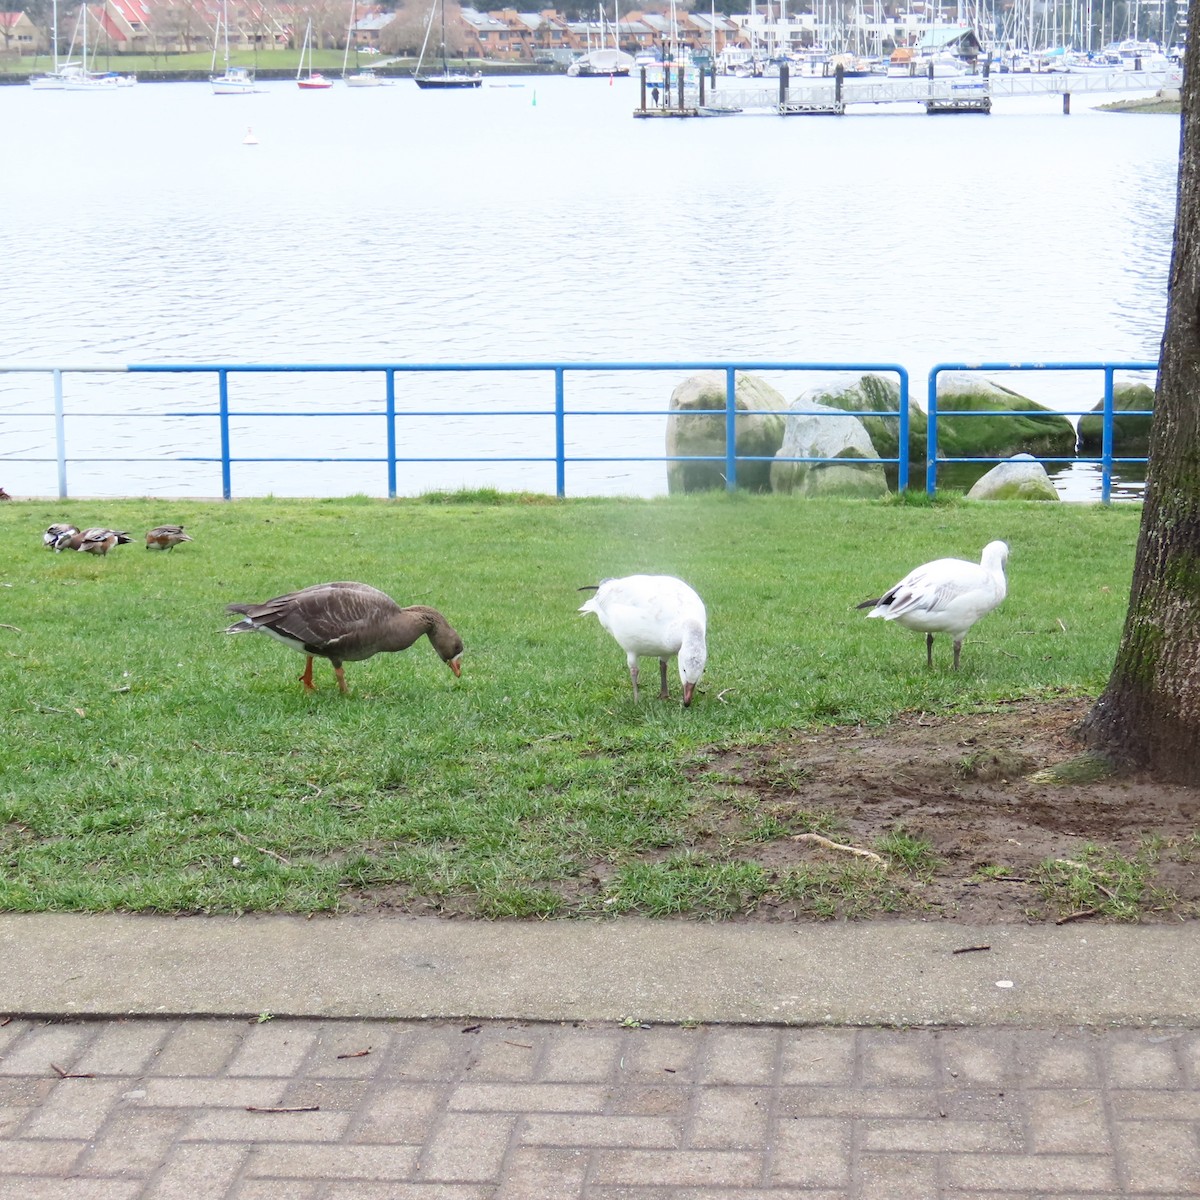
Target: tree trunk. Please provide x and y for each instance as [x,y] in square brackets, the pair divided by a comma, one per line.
[1149,714]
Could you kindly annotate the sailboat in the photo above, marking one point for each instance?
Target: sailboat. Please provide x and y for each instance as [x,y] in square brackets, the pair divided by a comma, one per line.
[233,81]
[607,60]
[314,80]
[363,76]
[52,80]
[447,78]
[76,77]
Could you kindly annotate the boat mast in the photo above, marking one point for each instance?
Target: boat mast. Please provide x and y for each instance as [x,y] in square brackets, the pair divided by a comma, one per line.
[445,64]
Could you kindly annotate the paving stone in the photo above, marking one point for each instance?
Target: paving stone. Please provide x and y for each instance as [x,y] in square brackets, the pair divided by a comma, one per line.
[1142,1059]
[890,1058]
[818,1056]
[135,1142]
[646,1056]
[677,1168]
[337,1050]
[40,1156]
[123,1048]
[980,1057]
[289,1160]
[238,1125]
[650,1101]
[197,1173]
[201,1047]
[730,1118]
[467,1147]
[540,1173]
[40,1045]
[517,1097]
[29,1188]
[1071,1122]
[587,1056]
[811,1153]
[214,1093]
[402,1113]
[1160,1156]
[1031,1172]
[1059,1059]
[77,1108]
[741,1056]
[272,1049]
[939,1134]
[895,1177]
[578,1129]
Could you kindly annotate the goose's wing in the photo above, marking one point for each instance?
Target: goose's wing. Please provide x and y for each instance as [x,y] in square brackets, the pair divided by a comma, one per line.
[931,588]
[329,616]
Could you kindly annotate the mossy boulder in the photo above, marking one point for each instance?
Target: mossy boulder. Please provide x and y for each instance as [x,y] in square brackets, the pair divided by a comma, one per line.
[758,431]
[1131,433]
[876,394]
[1030,429]
[819,431]
[1022,477]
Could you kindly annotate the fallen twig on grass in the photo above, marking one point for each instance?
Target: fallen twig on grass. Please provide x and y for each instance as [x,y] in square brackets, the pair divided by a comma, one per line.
[831,845]
[12,627]
[1077,916]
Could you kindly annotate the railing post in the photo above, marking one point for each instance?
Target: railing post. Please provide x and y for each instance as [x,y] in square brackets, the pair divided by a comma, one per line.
[730,429]
[902,465]
[1106,439]
[223,417]
[60,435]
[391,433]
[931,437]
[560,437]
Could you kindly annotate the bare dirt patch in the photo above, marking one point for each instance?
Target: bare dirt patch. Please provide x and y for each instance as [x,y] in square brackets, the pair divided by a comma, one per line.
[1006,845]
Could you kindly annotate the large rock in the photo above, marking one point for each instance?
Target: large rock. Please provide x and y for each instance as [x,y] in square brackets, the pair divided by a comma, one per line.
[875,394]
[1131,434]
[1022,477]
[758,431]
[818,431]
[1030,429]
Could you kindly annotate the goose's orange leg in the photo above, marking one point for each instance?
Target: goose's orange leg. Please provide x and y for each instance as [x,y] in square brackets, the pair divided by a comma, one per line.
[306,678]
[341,678]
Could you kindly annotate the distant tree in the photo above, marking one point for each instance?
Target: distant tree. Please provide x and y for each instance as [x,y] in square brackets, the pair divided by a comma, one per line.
[1149,714]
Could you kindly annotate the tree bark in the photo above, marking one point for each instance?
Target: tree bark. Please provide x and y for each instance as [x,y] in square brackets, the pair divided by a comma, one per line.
[1149,714]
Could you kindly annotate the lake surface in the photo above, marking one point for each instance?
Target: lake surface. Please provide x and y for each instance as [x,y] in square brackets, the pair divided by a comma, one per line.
[538,222]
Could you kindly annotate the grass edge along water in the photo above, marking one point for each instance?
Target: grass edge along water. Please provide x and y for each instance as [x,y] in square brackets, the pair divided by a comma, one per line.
[156,765]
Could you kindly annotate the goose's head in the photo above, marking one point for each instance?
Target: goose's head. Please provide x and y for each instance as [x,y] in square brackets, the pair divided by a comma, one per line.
[995,555]
[693,654]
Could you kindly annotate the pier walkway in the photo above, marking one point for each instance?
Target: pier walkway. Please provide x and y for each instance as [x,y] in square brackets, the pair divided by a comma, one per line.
[799,95]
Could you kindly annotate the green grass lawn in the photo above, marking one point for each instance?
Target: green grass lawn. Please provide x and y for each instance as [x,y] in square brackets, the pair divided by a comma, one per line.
[153,763]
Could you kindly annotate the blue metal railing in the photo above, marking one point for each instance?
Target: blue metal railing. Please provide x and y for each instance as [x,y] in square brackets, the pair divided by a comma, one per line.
[560,412]
[1106,458]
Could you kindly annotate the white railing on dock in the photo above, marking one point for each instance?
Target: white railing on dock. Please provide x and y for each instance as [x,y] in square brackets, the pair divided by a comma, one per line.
[811,94]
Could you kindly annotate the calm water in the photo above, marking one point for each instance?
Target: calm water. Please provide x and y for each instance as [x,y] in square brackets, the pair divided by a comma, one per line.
[536,222]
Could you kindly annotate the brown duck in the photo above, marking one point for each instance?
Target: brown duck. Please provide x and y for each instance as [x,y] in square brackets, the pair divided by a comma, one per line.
[347,622]
[94,541]
[165,537]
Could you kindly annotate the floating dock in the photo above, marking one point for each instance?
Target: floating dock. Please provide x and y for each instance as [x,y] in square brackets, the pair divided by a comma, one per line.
[830,96]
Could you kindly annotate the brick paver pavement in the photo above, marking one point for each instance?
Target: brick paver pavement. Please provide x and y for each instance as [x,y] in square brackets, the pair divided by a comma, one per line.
[419,1110]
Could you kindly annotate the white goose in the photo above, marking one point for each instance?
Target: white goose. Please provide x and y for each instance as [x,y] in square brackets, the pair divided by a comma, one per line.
[654,615]
[947,595]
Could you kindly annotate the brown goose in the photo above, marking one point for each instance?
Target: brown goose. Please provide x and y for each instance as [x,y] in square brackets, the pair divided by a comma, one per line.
[347,622]
[165,537]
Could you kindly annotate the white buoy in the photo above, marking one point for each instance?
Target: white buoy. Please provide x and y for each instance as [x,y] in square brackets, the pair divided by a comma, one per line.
[249,139]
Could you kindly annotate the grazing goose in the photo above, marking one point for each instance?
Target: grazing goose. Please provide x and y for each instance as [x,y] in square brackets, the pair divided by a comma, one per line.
[947,595]
[97,541]
[165,537]
[654,615]
[347,622]
[56,536]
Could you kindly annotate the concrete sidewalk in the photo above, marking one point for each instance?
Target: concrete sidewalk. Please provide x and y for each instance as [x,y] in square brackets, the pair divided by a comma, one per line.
[869,973]
[274,1058]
